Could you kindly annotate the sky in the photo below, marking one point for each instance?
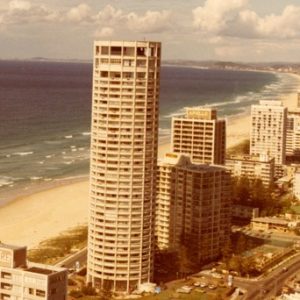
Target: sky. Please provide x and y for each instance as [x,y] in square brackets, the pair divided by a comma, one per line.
[227,30]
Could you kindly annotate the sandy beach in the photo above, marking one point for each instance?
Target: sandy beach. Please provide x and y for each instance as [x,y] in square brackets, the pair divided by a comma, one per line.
[32,218]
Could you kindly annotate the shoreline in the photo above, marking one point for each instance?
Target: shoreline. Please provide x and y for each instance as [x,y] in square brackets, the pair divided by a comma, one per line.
[29,220]
[39,186]
[45,209]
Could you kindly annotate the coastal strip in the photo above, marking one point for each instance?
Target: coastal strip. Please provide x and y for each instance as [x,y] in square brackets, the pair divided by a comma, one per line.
[46,210]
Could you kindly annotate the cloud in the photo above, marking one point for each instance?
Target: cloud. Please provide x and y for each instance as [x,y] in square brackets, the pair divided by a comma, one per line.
[150,22]
[104,32]
[233,18]
[19,5]
[215,14]
[109,15]
[22,12]
[109,18]
[80,13]
[286,25]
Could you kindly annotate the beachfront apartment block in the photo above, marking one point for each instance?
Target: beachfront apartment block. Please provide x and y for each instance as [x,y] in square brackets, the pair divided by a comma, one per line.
[201,135]
[268,131]
[124,140]
[23,280]
[253,167]
[193,206]
[293,132]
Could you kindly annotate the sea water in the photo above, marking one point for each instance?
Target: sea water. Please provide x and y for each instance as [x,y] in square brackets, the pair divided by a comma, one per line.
[45,111]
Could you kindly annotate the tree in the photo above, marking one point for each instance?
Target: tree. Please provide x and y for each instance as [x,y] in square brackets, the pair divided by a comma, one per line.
[235,263]
[106,293]
[248,265]
[226,251]
[241,245]
[241,190]
[186,263]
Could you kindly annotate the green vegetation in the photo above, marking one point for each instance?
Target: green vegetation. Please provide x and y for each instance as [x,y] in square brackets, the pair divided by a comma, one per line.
[295,209]
[233,254]
[171,265]
[50,251]
[242,148]
[169,295]
[253,193]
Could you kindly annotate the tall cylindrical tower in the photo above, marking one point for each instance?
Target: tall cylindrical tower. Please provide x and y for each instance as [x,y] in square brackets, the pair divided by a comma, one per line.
[123,163]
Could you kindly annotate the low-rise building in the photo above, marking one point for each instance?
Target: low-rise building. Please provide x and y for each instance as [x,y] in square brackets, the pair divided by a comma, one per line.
[253,167]
[23,280]
[296,184]
[290,296]
[275,224]
[244,212]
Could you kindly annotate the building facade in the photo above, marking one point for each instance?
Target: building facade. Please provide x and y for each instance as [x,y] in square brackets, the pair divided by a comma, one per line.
[123,164]
[275,224]
[193,206]
[268,130]
[201,135]
[244,212]
[296,184]
[253,167]
[293,133]
[23,280]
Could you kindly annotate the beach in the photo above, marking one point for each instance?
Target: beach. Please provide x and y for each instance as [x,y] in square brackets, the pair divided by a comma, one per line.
[32,218]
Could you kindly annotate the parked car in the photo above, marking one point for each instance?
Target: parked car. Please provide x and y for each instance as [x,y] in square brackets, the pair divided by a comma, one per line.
[212,287]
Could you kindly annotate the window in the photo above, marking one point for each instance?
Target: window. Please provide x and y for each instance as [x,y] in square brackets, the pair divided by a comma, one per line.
[116,51]
[40,293]
[104,50]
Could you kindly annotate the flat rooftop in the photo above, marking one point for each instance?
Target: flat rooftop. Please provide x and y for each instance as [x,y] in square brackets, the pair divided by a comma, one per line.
[10,247]
[40,271]
[270,220]
[183,161]
[250,158]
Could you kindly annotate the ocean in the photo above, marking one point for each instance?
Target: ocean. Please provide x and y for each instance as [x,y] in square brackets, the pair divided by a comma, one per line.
[45,113]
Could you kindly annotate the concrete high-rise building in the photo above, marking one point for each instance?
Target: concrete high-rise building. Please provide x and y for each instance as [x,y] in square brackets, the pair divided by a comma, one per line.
[253,167]
[268,130]
[23,280]
[193,206]
[123,164]
[293,132]
[201,135]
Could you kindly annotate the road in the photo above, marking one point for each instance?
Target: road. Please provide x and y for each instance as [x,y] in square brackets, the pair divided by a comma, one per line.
[267,287]
[69,262]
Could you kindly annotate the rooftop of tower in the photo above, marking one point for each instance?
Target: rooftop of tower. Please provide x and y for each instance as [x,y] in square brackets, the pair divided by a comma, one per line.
[200,112]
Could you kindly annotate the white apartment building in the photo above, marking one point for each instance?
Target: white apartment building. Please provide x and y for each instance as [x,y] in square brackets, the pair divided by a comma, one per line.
[253,167]
[268,130]
[201,135]
[193,206]
[293,133]
[126,79]
[23,280]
